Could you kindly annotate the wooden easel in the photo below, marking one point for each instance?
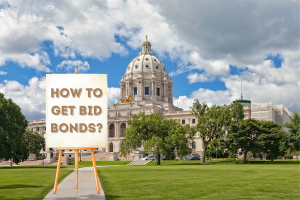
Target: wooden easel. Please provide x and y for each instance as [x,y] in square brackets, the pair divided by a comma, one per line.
[76,167]
[76,164]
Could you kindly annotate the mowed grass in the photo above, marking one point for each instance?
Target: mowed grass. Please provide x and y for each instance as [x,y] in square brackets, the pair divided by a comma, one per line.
[34,182]
[185,180]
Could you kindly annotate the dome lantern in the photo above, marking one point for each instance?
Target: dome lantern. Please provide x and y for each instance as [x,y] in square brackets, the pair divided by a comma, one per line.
[146,46]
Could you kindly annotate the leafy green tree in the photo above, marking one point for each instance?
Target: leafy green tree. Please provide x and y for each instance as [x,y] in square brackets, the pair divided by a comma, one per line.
[212,122]
[293,137]
[236,112]
[12,128]
[243,135]
[217,146]
[271,140]
[34,142]
[156,134]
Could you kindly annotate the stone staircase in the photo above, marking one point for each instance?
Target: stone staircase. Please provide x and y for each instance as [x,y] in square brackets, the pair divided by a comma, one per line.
[140,162]
[102,156]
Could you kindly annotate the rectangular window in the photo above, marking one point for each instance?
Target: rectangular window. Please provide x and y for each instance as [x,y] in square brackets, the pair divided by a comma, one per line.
[193,121]
[146,90]
[157,91]
[45,128]
[38,129]
[183,121]
[135,90]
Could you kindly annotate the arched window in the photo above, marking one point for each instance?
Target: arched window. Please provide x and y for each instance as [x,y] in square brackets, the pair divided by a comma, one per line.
[123,128]
[193,145]
[111,147]
[112,130]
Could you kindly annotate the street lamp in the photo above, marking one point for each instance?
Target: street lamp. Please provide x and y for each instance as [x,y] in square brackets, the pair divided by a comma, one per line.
[209,151]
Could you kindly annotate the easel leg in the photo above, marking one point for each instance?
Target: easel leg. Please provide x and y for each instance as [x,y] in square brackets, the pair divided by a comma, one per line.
[57,172]
[76,169]
[95,172]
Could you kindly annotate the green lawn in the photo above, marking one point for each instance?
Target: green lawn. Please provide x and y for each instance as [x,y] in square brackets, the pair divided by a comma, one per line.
[193,180]
[36,181]
[31,183]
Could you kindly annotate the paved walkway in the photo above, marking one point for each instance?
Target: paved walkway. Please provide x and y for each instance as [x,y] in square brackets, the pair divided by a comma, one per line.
[86,187]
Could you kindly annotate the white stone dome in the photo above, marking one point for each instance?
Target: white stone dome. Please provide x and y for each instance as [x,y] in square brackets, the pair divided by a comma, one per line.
[146,78]
[146,63]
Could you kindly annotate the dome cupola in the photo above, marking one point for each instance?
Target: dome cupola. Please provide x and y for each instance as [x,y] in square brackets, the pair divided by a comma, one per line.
[146,46]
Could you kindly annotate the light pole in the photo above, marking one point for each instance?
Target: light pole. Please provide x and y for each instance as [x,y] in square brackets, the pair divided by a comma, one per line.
[216,154]
[80,155]
[209,151]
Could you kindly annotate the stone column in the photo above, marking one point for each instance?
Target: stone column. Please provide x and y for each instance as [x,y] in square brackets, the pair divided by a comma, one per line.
[107,149]
[121,92]
[166,94]
[116,129]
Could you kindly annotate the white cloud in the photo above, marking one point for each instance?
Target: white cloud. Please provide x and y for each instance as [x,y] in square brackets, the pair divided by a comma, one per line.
[113,96]
[31,97]
[193,78]
[3,73]
[70,65]
[231,33]
[261,83]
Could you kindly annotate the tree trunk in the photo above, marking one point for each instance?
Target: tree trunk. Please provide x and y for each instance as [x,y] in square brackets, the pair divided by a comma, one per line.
[245,157]
[272,160]
[158,159]
[203,153]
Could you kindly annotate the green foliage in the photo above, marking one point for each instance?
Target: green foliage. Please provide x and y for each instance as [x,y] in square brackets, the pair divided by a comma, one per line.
[271,140]
[218,144]
[293,138]
[256,137]
[213,122]
[40,157]
[12,128]
[157,135]
[34,142]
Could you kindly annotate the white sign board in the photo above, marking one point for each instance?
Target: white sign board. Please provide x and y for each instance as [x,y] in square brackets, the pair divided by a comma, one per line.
[76,110]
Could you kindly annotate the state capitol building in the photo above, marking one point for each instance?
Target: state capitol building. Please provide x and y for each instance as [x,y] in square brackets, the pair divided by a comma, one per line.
[146,80]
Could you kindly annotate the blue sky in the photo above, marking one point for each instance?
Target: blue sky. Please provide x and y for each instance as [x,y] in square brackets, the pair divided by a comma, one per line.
[203,52]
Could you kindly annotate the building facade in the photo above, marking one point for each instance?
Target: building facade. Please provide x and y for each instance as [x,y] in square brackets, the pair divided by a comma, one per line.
[151,89]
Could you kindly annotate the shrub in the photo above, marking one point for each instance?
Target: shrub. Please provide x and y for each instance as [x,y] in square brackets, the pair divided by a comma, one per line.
[40,157]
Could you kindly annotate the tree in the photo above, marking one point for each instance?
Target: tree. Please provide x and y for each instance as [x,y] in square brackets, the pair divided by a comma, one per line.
[236,112]
[34,142]
[156,134]
[212,122]
[218,144]
[293,137]
[271,140]
[243,135]
[12,128]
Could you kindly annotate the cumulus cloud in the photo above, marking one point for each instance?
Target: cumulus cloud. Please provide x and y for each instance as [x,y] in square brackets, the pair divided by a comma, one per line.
[70,65]
[203,43]
[113,96]
[231,33]
[3,73]
[261,83]
[31,97]
[193,78]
